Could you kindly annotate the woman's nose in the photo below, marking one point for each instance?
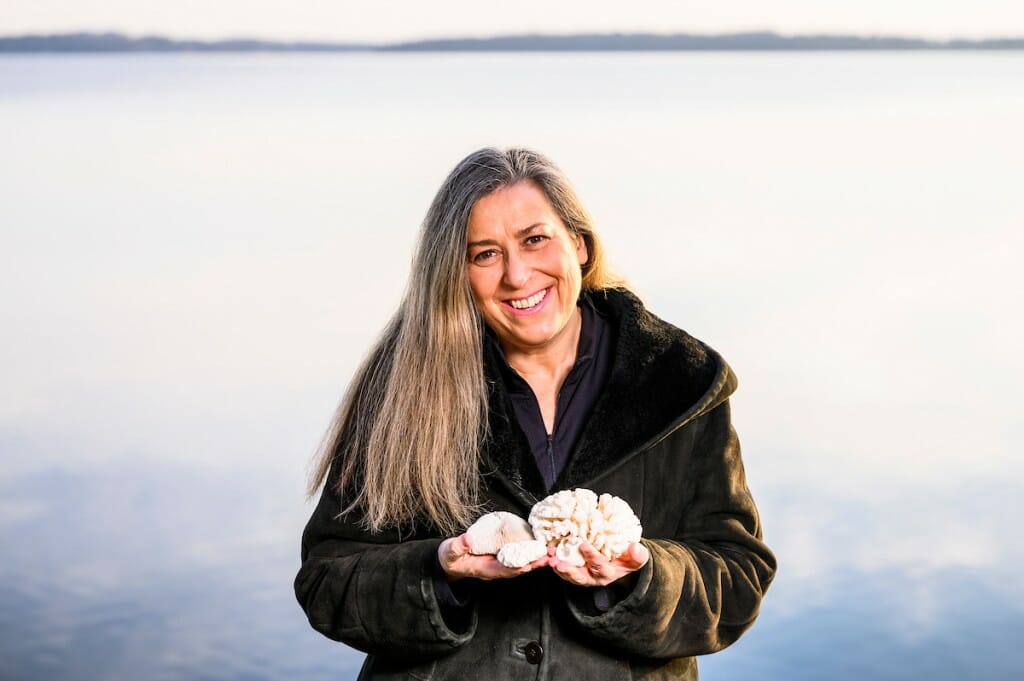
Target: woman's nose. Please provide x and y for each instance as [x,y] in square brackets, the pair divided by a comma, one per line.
[517,270]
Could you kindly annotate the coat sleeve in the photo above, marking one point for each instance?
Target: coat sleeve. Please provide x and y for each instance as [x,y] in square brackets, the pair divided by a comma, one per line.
[374,592]
[703,586]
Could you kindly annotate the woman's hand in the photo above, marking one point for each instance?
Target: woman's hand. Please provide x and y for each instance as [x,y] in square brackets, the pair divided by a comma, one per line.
[598,570]
[457,562]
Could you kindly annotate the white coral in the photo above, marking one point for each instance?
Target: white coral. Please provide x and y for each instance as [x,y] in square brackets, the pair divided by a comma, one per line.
[570,517]
[493,530]
[519,553]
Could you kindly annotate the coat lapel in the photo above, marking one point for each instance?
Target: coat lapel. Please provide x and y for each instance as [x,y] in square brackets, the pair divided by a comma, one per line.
[659,373]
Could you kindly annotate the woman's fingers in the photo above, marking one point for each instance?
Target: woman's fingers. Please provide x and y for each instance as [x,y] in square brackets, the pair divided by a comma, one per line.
[540,562]
[590,554]
[598,570]
[458,562]
[639,555]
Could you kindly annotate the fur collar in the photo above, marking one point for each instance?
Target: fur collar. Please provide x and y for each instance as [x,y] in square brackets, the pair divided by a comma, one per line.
[661,378]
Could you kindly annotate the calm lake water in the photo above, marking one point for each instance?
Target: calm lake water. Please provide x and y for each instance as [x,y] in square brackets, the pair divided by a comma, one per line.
[195,251]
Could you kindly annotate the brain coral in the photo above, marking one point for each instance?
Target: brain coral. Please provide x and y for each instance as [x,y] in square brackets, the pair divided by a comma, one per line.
[570,517]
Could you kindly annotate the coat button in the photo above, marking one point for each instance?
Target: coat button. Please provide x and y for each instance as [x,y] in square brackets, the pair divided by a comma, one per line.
[534,652]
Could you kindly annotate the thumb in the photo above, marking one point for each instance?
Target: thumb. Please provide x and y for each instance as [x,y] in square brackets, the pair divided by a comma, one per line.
[460,545]
[453,548]
[638,554]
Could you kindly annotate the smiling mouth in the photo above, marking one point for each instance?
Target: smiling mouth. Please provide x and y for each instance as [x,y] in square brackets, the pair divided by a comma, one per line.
[530,302]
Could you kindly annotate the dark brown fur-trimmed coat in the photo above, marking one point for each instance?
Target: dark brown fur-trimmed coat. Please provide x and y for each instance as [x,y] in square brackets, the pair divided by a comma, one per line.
[659,437]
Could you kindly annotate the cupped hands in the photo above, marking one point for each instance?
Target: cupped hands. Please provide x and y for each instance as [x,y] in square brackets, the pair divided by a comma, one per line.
[598,570]
[458,562]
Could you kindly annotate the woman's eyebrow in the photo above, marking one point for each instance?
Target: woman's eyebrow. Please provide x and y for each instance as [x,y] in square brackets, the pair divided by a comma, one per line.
[526,230]
[520,234]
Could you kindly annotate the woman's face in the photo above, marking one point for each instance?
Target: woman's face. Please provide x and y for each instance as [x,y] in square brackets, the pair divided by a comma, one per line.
[524,267]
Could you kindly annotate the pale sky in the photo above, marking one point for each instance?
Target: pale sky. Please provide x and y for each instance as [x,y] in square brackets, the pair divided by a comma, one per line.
[389,20]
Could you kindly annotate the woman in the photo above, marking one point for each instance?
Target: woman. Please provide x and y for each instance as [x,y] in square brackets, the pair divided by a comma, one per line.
[518,365]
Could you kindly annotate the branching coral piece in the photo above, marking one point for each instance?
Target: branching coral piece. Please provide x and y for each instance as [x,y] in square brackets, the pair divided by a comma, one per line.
[493,530]
[570,517]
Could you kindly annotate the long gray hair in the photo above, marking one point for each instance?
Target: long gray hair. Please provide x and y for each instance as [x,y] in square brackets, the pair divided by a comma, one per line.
[407,433]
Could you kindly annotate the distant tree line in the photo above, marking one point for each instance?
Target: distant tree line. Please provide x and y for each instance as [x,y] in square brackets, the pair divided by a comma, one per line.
[683,41]
[116,42]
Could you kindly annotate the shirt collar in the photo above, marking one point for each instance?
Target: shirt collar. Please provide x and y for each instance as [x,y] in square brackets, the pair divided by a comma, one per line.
[592,325]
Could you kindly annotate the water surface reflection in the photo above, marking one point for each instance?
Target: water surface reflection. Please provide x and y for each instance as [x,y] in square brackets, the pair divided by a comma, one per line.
[169,572]
[154,571]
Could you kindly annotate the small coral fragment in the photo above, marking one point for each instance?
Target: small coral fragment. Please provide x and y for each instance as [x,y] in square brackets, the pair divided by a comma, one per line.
[568,518]
[493,530]
[568,549]
[519,553]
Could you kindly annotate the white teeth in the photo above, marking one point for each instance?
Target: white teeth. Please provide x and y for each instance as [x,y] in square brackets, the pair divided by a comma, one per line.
[527,303]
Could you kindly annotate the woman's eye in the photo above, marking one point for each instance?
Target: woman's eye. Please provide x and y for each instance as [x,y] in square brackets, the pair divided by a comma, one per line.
[484,257]
[535,239]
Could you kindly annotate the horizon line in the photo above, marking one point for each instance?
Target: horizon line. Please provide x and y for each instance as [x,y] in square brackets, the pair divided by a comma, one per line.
[117,41]
[491,36]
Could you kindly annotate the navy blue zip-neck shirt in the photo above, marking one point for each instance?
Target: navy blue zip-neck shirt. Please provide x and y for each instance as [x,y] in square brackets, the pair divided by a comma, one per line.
[576,397]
